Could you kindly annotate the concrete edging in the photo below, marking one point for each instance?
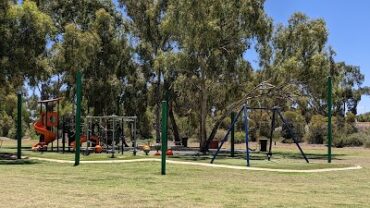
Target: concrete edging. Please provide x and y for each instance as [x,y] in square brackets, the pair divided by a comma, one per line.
[202,164]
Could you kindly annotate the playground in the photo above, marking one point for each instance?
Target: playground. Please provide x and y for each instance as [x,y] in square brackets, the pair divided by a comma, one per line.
[99,159]
[141,183]
[176,103]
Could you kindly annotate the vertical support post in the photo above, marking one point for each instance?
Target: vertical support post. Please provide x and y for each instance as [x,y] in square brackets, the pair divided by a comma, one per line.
[63,135]
[269,154]
[88,134]
[19,126]
[246,134]
[164,136]
[58,123]
[52,144]
[330,133]
[122,135]
[232,140]
[113,136]
[135,137]
[78,117]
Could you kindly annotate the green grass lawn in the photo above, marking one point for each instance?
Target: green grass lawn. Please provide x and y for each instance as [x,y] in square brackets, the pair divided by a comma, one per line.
[44,184]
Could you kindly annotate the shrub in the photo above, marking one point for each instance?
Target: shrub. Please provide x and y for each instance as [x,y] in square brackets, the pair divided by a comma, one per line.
[367,143]
[349,129]
[364,117]
[350,117]
[220,134]
[352,140]
[296,123]
[252,132]
[239,137]
[317,130]
[265,129]
[226,123]
[261,122]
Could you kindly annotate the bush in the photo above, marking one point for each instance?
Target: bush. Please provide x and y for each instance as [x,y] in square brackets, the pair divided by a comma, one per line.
[364,117]
[145,125]
[265,129]
[252,132]
[226,123]
[317,130]
[239,137]
[296,123]
[350,117]
[352,140]
[367,143]
[220,134]
[349,129]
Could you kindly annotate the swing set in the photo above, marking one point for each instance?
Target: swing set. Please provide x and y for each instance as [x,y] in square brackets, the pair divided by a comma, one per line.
[276,114]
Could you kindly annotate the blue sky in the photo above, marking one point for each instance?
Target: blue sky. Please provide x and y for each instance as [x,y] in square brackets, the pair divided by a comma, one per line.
[348,23]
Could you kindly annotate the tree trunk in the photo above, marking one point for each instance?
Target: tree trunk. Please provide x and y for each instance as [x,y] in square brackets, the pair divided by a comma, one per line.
[158,108]
[175,129]
[203,118]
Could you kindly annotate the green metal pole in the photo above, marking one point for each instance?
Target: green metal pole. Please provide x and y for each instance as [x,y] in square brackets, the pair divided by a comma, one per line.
[19,126]
[232,135]
[330,133]
[164,135]
[78,118]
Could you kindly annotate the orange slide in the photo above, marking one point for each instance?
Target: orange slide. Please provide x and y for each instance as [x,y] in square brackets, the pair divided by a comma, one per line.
[48,135]
[83,139]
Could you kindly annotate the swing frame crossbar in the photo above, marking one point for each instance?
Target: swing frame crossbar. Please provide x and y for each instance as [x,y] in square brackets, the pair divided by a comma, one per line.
[276,113]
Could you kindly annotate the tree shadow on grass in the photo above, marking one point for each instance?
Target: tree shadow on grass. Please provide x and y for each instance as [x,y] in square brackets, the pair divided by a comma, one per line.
[14,148]
[11,159]
[258,156]
[310,156]
[202,157]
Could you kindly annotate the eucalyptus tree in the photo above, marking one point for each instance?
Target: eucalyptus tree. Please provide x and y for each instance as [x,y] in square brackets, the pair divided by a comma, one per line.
[350,88]
[92,37]
[301,55]
[151,42]
[24,32]
[102,53]
[212,36]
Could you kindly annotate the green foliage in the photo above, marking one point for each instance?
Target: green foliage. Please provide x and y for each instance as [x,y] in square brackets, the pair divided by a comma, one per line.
[226,123]
[367,143]
[301,56]
[350,118]
[212,43]
[252,131]
[26,32]
[189,51]
[352,140]
[145,125]
[296,123]
[364,117]
[220,134]
[265,129]
[317,130]
[239,137]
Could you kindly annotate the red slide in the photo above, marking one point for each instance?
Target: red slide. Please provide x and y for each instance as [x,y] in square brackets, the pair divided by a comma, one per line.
[48,135]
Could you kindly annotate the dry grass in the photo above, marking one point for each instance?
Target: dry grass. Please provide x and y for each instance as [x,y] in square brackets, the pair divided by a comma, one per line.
[140,185]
